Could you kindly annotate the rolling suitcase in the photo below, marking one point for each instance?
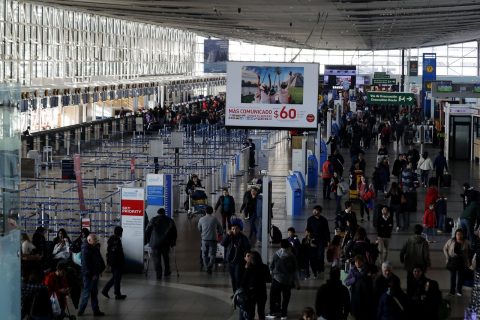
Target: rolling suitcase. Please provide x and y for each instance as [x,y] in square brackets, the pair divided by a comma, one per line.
[448,225]
[447,180]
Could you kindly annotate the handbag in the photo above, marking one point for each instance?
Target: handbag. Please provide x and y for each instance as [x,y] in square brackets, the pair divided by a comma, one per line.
[403,199]
[454,263]
[56,310]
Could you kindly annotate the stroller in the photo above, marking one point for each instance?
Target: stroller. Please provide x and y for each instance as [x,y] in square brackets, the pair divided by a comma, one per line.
[197,203]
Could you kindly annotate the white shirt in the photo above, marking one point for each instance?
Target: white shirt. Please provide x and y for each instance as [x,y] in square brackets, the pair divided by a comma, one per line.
[27,247]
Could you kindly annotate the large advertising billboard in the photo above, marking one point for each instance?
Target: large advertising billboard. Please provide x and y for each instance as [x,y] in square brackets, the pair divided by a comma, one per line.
[272,95]
[215,56]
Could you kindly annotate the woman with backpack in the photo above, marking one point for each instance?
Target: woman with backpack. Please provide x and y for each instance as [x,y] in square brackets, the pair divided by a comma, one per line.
[395,194]
[254,284]
[457,255]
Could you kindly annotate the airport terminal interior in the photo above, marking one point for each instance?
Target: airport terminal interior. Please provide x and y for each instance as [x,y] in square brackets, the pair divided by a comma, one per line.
[109,109]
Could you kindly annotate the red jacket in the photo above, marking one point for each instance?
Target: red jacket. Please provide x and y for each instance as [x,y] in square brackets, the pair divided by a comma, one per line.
[429,219]
[431,196]
[327,170]
[54,283]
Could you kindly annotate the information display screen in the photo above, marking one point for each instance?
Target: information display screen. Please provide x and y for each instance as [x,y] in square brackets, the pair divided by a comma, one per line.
[271,94]
[340,77]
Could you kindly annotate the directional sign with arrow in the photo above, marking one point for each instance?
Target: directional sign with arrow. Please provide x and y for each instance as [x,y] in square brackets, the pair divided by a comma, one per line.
[397,98]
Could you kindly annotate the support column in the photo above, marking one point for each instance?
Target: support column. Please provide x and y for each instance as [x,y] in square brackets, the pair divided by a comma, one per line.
[402,77]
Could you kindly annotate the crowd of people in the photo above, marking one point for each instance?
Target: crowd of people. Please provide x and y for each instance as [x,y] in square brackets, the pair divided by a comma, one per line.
[51,271]
[209,110]
[361,281]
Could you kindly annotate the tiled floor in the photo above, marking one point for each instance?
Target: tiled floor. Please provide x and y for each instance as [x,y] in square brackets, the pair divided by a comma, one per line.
[196,295]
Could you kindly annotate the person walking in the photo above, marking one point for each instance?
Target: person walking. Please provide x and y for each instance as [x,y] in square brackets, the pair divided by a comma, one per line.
[161,233]
[254,282]
[92,266]
[333,299]
[384,232]
[236,246]
[395,194]
[116,261]
[457,255]
[425,165]
[209,228]
[226,203]
[415,252]
[359,279]
[382,280]
[284,278]
[327,174]
[318,224]
[440,165]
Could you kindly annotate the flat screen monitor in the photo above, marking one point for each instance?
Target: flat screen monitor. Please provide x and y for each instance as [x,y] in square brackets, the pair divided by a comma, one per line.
[340,77]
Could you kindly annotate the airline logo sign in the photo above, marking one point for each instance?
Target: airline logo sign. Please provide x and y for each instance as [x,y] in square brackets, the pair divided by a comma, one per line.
[395,98]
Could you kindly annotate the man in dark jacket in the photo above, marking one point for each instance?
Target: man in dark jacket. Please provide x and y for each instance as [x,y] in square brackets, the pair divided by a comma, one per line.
[284,278]
[415,252]
[92,266]
[384,232]
[381,281]
[333,298]
[469,195]
[440,165]
[161,233]
[227,208]
[116,260]
[236,245]
[320,231]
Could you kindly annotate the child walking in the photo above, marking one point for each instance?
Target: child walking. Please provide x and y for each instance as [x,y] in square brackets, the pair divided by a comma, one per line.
[430,222]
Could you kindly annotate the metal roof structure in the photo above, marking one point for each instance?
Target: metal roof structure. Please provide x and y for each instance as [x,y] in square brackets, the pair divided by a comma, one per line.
[319,24]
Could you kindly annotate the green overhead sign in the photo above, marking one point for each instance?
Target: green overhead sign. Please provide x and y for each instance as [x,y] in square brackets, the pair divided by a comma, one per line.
[400,98]
[383,81]
[380,75]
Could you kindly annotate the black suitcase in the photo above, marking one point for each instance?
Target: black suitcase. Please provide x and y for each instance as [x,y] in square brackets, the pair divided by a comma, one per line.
[411,205]
[447,180]
[448,225]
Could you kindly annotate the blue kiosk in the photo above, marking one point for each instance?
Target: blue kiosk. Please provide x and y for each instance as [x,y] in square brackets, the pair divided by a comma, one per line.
[294,195]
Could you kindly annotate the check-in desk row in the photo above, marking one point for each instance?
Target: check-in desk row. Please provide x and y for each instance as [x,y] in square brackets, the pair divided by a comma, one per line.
[62,140]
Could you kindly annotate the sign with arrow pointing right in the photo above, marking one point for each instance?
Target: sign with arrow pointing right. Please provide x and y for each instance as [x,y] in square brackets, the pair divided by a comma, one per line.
[394,98]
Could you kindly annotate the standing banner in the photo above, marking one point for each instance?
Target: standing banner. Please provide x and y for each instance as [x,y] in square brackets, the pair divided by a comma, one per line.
[429,75]
[132,211]
[215,56]
[78,174]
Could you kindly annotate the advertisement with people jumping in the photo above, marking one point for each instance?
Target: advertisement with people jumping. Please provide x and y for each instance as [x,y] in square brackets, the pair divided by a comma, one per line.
[272,94]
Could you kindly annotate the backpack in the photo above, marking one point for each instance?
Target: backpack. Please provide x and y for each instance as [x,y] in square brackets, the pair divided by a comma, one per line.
[276,234]
[342,189]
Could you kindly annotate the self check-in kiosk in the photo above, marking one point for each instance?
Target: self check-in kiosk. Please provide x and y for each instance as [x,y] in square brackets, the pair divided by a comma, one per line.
[294,195]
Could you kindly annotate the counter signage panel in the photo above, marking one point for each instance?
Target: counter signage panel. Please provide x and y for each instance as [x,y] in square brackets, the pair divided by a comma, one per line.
[273,95]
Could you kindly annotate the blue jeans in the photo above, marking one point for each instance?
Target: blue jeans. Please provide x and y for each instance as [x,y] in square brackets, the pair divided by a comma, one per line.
[321,257]
[467,228]
[90,290]
[114,281]
[236,274]
[424,176]
[338,200]
[209,250]
[441,222]
[253,225]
